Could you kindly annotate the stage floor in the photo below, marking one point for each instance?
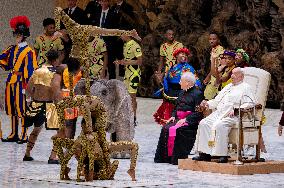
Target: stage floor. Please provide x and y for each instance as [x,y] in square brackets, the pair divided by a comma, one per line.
[246,168]
[16,173]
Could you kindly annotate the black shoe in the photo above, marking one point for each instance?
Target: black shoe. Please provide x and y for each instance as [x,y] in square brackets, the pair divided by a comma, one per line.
[14,139]
[261,160]
[223,160]
[26,158]
[22,141]
[202,157]
[198,158]
[53,161]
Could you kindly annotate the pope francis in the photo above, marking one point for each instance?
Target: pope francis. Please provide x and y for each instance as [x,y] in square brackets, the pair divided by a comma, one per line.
[212,136]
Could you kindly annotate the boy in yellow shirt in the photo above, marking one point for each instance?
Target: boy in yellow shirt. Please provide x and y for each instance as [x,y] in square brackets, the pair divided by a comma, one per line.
[47,41]
[167,60]
[132,60]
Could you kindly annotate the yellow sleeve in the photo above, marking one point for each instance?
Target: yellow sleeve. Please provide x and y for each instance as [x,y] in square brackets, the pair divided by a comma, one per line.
[220,50]
[102,45]
[37,44]
[137,50]
[180,45]
[162,50]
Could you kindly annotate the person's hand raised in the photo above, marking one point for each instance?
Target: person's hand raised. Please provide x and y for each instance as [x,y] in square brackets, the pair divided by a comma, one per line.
[172,119]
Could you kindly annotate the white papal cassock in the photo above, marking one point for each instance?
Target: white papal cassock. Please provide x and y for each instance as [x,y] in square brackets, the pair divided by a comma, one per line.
[213,131]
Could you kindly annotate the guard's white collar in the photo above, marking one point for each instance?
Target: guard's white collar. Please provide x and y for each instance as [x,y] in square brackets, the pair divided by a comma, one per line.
[22,44]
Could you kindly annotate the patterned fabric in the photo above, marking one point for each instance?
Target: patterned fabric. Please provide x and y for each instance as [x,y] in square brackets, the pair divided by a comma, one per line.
[76,78]
[227,72]
[211,90]
[20,60]
[215,53]
[70,113]
[45,43]
[44,75]
[167,50]
[96,49]
[172,90]
[174,74]
[132,51]
[35,114]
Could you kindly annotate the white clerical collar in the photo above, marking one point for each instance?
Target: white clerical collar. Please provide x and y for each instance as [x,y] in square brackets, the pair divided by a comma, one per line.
[22,44]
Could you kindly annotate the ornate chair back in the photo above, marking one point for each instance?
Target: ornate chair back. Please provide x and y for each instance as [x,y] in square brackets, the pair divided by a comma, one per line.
[259,80]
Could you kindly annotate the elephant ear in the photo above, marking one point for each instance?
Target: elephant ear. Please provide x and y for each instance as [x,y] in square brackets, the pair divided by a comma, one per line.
[122,96]
[80,88]
[118,87]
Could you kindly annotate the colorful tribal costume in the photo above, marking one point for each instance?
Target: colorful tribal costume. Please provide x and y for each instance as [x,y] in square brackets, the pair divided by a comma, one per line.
[172,89]
[96,50]
[225,74]
[47,41]
[71,114]
[40,110]
[167,50]
[131,51]
[20,60]
[211,90]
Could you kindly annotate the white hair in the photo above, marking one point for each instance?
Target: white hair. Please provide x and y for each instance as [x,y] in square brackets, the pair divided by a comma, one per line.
[188,76]
[239,69]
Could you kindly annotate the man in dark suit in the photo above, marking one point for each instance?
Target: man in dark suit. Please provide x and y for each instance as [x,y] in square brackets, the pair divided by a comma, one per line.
[125,19]
[104,16]
[91,8]
[77,14]
[125,15]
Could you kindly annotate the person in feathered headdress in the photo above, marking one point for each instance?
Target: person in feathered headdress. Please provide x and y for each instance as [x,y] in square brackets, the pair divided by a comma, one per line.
[20,60]
[171,86]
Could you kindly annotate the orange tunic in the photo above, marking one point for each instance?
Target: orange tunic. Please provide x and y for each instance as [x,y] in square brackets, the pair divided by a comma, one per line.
[70,113]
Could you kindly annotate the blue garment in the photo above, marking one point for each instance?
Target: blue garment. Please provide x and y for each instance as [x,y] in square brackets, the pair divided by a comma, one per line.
[174,74]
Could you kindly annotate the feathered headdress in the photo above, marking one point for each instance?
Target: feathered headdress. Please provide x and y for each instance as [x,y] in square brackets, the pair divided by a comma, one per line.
[20,25]
[181,50]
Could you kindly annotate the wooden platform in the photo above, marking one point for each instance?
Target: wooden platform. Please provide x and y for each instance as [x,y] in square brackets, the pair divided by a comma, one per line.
[229,168]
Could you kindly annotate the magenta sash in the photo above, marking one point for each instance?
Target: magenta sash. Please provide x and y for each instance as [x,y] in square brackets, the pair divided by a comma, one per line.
[172,131]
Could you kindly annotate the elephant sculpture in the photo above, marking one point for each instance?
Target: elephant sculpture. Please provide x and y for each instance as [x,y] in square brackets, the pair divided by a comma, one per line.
[117,101]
